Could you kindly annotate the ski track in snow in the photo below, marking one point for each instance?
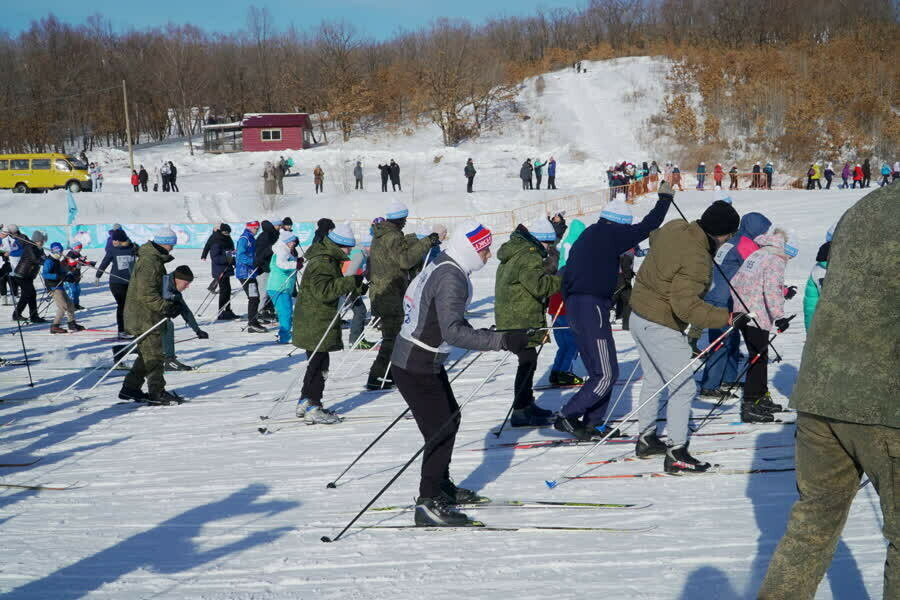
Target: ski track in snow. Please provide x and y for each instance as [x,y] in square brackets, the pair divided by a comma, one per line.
[192,502]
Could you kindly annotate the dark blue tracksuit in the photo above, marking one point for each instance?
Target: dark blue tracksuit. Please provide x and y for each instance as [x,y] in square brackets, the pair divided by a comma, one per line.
[589,282]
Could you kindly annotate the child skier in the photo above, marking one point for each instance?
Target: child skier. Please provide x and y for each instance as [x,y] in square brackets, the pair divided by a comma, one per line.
[282,282]
[56,276]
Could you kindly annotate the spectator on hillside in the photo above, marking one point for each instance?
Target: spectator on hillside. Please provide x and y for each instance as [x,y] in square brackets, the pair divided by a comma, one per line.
[756,177]
[829,175]
[654,176]
[676,178]
[278,173]
[718,174]
[701,175]
[817,175]
[173,175]
[358,175]
[858,176]
[667,172]
[395,176]
[143,177]
[165,172]
[135,180]
[288,165]
[733,174]
[469,171]
[845,175]
[885,174]
[92,171]
[385,175]
[769,171]
[896,171]
[810,174]
[268,175]
[318,178]
[525,174]
[867,173]
[538,172]
[551,174]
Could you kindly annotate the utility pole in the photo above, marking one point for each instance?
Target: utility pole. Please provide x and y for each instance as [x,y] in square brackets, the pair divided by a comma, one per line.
[127,126]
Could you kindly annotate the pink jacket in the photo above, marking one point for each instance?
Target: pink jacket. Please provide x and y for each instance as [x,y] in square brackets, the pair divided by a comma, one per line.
[760,280]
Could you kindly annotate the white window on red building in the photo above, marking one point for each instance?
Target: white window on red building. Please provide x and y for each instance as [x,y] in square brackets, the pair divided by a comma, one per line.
[271,135]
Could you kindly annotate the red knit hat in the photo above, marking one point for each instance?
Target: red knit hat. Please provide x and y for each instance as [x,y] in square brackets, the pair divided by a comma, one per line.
[252,224]
[480,238]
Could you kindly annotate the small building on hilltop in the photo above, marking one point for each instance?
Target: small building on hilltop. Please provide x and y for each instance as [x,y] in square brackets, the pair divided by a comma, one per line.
[258,132]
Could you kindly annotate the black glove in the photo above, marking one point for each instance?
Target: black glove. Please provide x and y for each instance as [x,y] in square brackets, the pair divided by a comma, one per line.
[300,261]
[695,351]
[172,310]
[213,286]
[435,239]
[782,324]
[359,280]
[202,335]
[363,289]
[515,341]
[229,260]
[790,292]
[739,320]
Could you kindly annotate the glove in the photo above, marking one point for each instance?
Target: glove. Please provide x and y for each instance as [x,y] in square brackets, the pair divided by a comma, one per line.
[515,341]
[782,324]
[435,239]
[202,335]
[363,289]
[213,286]
[300,261]
[665,189]
[739,320]
[790,292]
[359,280]
[172,310]
[695,351]
[229,260]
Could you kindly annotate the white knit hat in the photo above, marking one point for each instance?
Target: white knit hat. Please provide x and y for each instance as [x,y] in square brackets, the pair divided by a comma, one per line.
[397,210]
[286,237]
[165,235]
[542,230]
[423,230]
[342,235]
[618,211]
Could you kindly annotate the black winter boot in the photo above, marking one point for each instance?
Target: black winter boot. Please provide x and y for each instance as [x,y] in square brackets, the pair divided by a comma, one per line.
[649,444]
[573,427]
[453,494]
[437,512]
[678,460]
[753,412]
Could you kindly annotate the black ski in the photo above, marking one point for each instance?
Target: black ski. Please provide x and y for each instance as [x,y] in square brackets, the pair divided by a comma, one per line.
[537,504]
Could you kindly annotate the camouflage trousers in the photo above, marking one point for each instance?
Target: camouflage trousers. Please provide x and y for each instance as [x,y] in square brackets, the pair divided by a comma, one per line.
[831,457]
[149,366]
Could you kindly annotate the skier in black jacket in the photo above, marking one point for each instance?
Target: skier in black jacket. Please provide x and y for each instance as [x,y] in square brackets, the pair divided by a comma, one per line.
[395,176]
[261,260]
[25,272]
[221,254]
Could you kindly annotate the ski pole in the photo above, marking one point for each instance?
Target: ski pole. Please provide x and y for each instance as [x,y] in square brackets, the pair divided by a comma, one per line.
[340,313]
[211,290]
[281,289]
[552,484]
[296,379]
[125,353]
[228,304]
[418,452]
[22,339]
[361,337]
[609,413]
[541,349]
[362,355]
[727,394]
[731,287]
[333,484]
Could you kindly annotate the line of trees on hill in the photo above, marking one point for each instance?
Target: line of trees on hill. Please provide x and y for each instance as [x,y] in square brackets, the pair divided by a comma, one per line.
[770,69]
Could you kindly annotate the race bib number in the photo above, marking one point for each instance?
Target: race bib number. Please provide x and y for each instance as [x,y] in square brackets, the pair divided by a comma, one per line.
[724,249]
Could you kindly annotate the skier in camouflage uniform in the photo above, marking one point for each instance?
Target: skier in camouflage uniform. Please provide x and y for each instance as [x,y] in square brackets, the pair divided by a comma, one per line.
[390,258]
[848,421]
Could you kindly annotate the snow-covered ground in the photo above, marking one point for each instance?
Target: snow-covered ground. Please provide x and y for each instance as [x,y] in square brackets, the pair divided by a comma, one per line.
[192,502]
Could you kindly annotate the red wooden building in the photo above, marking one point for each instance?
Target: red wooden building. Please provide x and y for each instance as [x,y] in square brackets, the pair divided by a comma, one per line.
[260,132]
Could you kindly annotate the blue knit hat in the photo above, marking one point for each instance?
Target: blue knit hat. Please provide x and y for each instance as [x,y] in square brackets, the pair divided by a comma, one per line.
[342,235]
[397,210]
[617,211]
[56,248]
[165,236]
[542,230]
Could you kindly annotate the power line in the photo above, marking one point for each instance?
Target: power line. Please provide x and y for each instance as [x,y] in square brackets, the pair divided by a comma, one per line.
[3,108]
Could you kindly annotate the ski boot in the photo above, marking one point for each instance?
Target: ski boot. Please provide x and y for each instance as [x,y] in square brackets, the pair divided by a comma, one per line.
[133,394]
[531,416]
[302,407]
[57,329]
[319,415]
[565,378]
[376,383]
[176,365]
[437,512]
[767,404]
[79,307]
[365,344]
[73,327]
[678,460]
[573,427]
[36,320]
[600,431]
[6,301]
[649,444]
[753,412]
[227,315]
[164,398]
[457,495]
[256,328]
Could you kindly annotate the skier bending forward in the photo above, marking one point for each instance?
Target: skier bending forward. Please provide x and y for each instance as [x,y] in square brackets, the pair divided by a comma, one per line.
[434,307]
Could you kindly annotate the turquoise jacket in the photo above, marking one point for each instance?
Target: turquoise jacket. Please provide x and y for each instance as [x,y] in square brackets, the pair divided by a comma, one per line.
[813,289]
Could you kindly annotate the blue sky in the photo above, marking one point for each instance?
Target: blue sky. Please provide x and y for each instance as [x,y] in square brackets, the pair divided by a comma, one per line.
[379,19]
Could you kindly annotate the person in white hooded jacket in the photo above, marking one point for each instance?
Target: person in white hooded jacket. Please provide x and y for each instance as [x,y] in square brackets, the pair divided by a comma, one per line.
[282,282]
[434,306]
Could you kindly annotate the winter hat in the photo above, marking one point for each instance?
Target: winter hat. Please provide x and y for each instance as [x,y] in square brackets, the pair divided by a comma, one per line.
[119,235]
[225,228]
[38,237]
[829,235]
[618,211]
[720,218]
[323,227]
[78,246]
[365,240]
[275,222]
[397,210]
[468,239]
[287,222]
[542,230]
[252,224]
[342,235]
[440,229]
[56,248]
[11,229]
[165,236]
[184,273]
[720,195]
[117,226]
[286,237]
[423,230]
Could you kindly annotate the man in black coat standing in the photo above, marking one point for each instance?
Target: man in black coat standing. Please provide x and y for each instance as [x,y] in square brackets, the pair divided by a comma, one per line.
[395,176]
[385,175]
[470,175]
[143,177]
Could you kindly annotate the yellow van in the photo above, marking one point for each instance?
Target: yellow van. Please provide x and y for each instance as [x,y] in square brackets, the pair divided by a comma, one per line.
[37,172]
